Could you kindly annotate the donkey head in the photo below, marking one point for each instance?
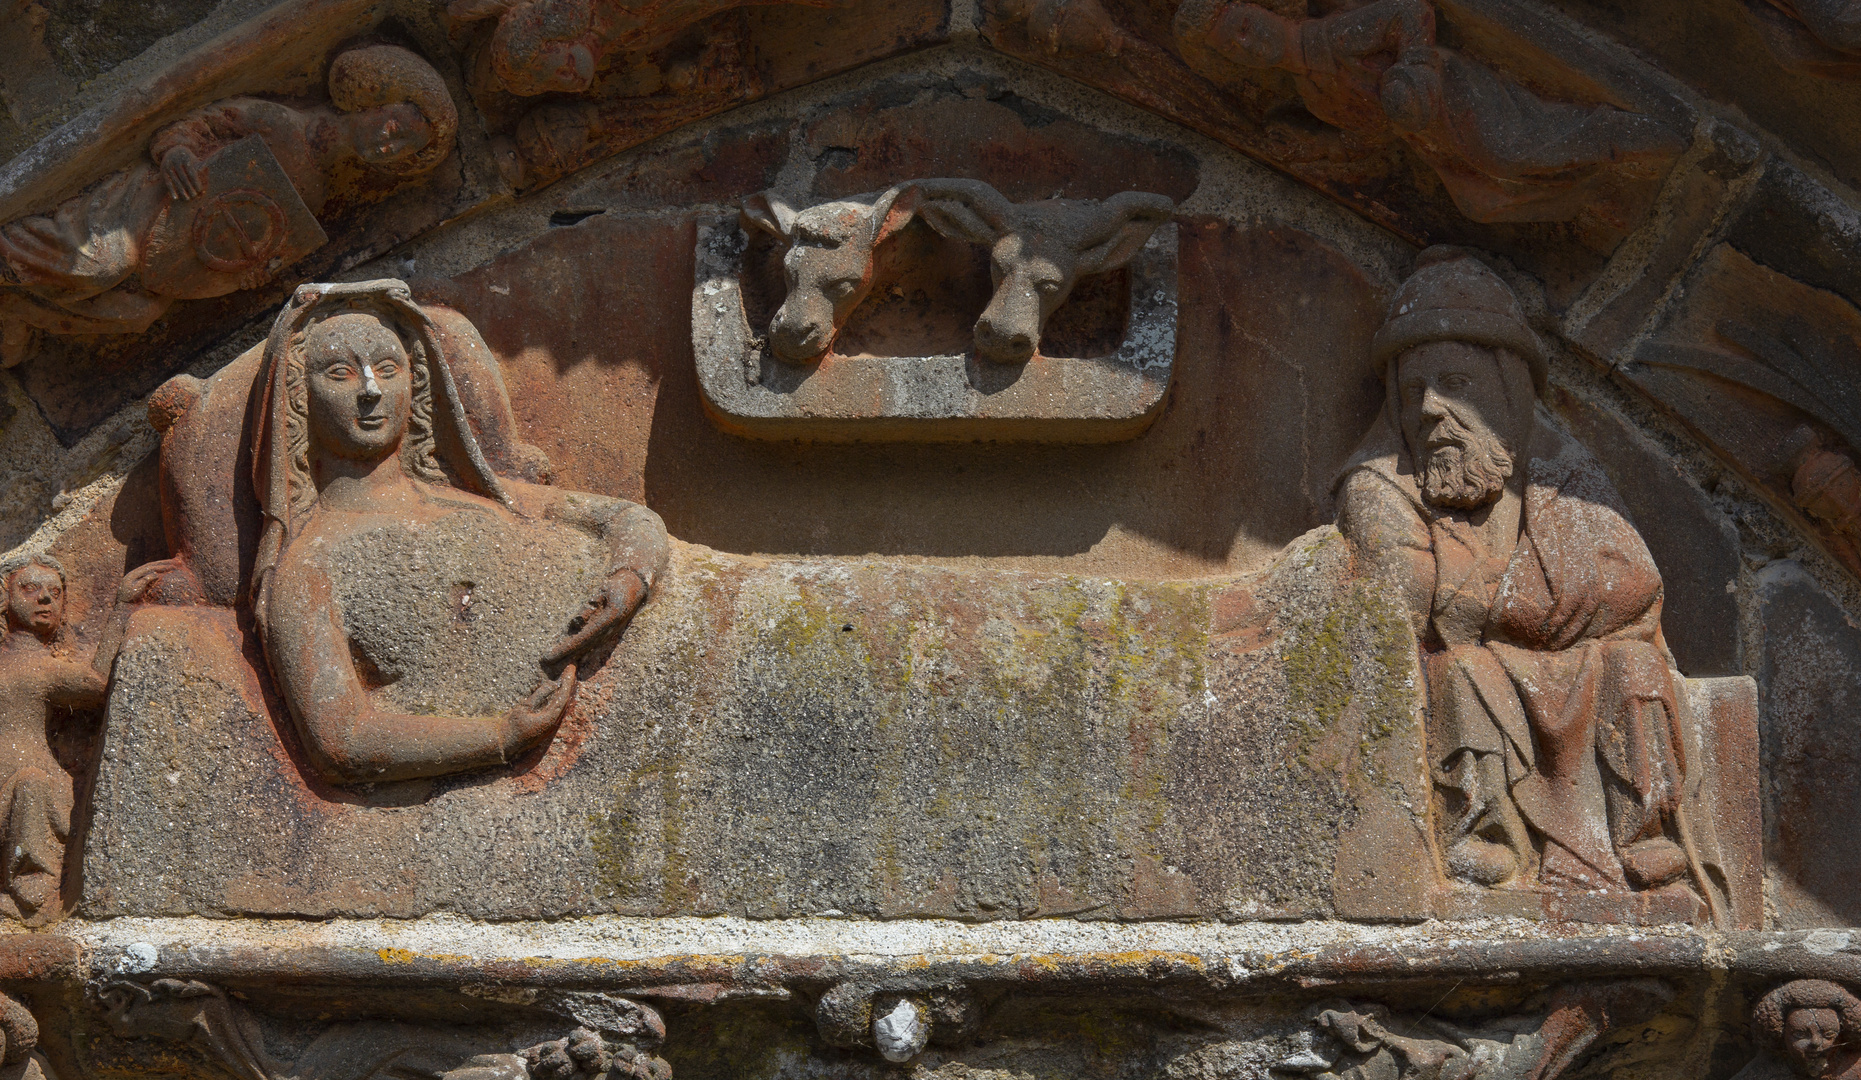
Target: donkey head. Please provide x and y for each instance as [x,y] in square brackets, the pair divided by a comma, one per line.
[828,264]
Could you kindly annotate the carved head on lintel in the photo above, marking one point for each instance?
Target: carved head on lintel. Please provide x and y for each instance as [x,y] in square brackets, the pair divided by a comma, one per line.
[1811,1023]
[396,108]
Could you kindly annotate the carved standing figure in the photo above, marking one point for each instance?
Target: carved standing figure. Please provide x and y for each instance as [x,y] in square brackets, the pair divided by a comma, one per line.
[1555,723]
[112,259]
[35,680]
[400,585]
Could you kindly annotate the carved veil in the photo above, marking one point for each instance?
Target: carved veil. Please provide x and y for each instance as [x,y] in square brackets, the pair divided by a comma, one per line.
[280,482]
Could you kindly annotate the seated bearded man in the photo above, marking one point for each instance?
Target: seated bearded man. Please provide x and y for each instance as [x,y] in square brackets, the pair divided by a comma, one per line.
[1554,723]
[422,615]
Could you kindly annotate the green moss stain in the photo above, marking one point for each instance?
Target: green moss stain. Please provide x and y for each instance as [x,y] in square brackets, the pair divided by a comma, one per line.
[1353,660]
[620,836]
[872,736]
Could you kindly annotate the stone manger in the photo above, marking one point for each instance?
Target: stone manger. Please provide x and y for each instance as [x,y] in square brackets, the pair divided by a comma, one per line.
[750,389]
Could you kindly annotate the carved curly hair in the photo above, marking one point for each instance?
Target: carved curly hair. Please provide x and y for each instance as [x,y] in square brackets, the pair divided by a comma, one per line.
[417,447]
[18,1029]
[1775,1007]
[371,76]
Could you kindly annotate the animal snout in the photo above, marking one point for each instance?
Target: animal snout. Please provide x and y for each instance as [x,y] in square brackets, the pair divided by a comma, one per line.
[1004,342]
[799,339]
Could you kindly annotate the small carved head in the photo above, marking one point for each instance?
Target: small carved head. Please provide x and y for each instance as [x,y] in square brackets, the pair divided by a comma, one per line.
[1807,1021]
[1038,251]
[35,595]
[829,264]
[397,111]
[539,46]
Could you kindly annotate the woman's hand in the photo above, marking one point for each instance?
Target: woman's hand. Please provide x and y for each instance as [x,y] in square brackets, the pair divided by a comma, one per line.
[182,170]
[136,583]
[538,714]
[620,596]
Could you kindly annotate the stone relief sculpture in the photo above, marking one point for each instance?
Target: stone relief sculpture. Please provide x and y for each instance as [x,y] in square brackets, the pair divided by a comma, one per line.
[1826,485]
[1817,37]
[1555,725]
[1376,71]
[1762,365]
[1370,1042]
[630,65]
[617,1041]
[228,198]
[20,1058]
[35,681]
[560,46]
[1810,1028]
[837,254]
[1038,251]
[397,573]
[829,261]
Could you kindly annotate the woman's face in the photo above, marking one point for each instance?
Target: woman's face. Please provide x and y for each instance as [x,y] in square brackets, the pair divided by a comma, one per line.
[359,389]
[1811,1035]
[390,133]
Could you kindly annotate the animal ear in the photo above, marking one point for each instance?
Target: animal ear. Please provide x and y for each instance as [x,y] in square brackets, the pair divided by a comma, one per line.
[957,221]
[770,214]
[893,211]
[1130,218]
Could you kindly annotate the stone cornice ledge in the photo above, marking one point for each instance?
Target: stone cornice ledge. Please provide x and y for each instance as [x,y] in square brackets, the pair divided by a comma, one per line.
[709,959]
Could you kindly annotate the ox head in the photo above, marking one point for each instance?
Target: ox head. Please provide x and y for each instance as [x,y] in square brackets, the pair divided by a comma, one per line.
[1037,251]
[828,264]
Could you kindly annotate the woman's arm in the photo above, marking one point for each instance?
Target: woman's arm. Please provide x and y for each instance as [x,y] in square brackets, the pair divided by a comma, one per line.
[637,553]
[349,740]
[86,686]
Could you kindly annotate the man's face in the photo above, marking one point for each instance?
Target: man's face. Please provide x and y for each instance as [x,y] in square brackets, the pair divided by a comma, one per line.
[1810,1036]
[359,389]
[390,133]
[35,600]
[1453,408]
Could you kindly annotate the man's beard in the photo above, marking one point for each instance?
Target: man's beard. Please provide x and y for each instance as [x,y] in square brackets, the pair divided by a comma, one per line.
[1469,470]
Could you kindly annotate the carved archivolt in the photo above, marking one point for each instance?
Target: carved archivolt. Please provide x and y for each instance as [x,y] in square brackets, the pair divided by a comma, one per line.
[227,200]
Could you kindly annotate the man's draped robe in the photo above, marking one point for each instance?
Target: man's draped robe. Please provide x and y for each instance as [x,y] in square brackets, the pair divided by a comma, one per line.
[1569,684]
